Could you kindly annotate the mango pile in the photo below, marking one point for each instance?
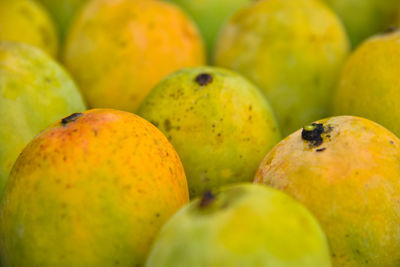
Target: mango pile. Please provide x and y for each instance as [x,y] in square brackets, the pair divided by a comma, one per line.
[199,133]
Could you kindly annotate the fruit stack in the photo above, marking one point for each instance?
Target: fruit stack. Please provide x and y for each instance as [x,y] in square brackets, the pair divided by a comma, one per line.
[199,133]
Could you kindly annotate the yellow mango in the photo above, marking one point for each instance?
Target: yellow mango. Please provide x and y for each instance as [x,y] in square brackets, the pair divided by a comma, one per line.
[26,21]
[369,85]
[346,171]
[118,50]
[91,190]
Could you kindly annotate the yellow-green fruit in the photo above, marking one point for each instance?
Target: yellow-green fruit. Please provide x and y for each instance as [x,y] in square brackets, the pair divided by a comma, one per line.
[34,92]
[243,225]
[118,50]
[293,50]
[219,123]
[363,18]
[346,170]
[63,12]
[370,82]
[26,21]
[91,190]
[210,15]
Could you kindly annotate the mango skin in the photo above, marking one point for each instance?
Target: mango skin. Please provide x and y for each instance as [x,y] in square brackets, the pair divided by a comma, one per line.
[90,192]
[26,21]
[364,18]
[369,83]
[293,50]
[34,92]
[221,130]
[245,225]
[118,50]
[210,16]
[351,185]
[63,12]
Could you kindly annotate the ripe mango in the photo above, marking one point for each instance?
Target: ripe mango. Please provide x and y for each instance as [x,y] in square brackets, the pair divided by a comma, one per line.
[210,15]
[364,18]
[34,92]
[369,85]
[92,190]
[118,50]
[63,12]
[219,123]
[26,21]
[293,50]
[346,170]
[241,225]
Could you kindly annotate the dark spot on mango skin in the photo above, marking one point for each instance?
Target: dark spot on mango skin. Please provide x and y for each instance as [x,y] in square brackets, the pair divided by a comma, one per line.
[312,133]
[207,198]
[167,125]
[203,79]
[321,149]
[71,118]
[391,29]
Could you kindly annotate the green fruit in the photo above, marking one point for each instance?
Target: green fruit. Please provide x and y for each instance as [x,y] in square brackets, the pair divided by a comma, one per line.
[26,21]
[92,190]
[34,92]
[243,225]
[363,18]
[63,12]
[293,50]
[210,15]
[219,123]
[370,82]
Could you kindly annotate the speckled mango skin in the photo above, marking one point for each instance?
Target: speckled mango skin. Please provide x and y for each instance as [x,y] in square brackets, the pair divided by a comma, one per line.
[293,50]
[352,186]
[34,92]
[210,15]
[364,18]
[63,12]
[91,192]
[221,130]
[119,49]
[245,225]
[26,21]
[369,83]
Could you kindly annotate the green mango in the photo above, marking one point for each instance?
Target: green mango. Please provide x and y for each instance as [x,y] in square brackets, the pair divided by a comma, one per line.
[293,50]
[219,123]
[363,18]
[28,22]
[34,92]
[210,15]
[243,225]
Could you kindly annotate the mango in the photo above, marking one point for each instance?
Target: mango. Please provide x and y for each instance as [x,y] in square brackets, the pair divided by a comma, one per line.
[119,50]
[241,225]
[219,123]
[364,18]
[63,12]
[369,85]
[26,21]
[210,16]
[93,189]
[346,171]
[293,50]
[34,92]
